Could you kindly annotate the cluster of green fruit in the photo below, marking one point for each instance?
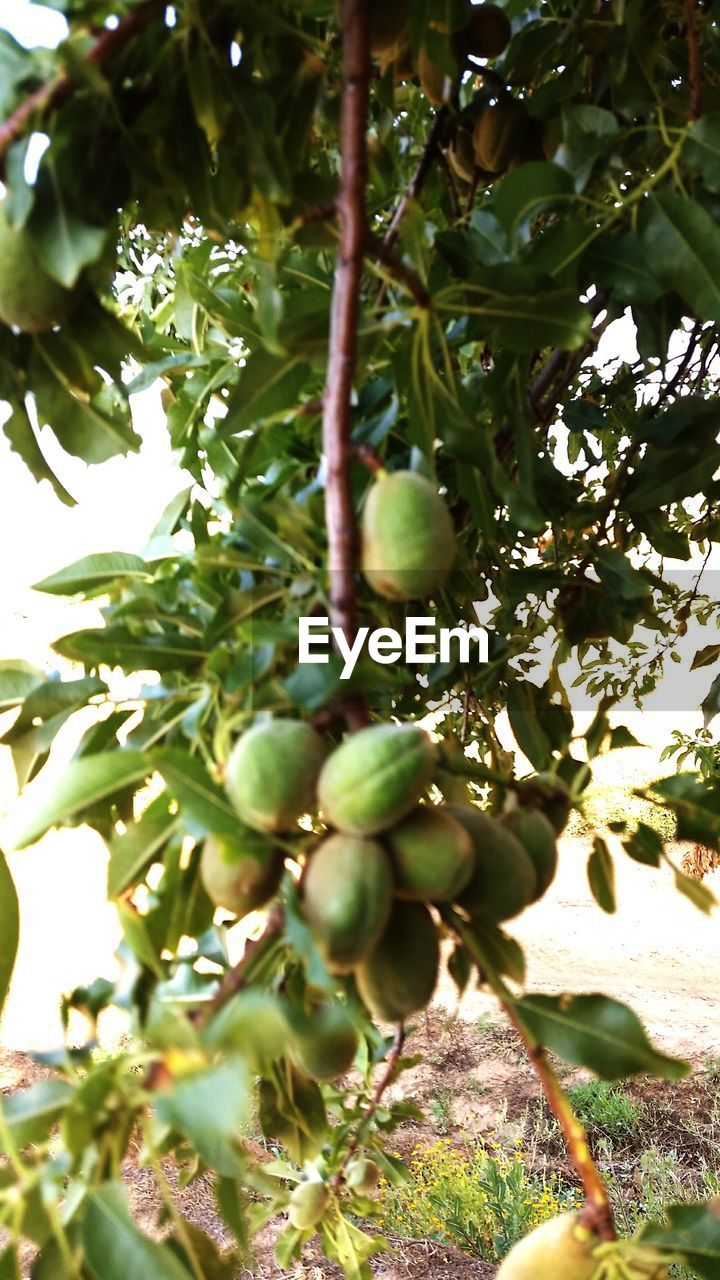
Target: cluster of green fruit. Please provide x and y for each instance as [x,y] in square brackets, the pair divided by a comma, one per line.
[369,885]
[484,33]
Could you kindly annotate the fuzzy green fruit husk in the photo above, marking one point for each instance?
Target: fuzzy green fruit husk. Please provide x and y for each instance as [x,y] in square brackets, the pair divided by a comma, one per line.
[499,134]
[240,875]
[253,1023]
[308,1203]
[408,539]
[432,856]
[399,975]
[560,1249]
[552,796]
[389,20]
[437,85]
[503,881]
[375,777]
[538,838]
[347,896]
[272,773]
[29,298]
[362,1176]
[325,1042]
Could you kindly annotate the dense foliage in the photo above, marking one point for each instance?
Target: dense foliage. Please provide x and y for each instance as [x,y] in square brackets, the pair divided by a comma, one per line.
[185,226]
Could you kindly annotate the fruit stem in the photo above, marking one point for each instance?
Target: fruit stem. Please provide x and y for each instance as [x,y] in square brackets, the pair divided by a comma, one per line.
[597,1213]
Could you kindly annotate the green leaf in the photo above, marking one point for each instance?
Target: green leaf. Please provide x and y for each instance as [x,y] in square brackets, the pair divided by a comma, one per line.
[90,418]
[525,724]
[694,890]
[706,657]
[205,807]
[31,1113]
[601,876]
[17,679]
[119,647]
[211,1109]
[644,846]
[683,243]
[528,190]
[65,242]
[702,148]
[85,781]
[115,1248]
[22,439]
[9,928]
[693,1232]
[596,1032]
[269,385]
[92,572]
[132,852]
[710,704]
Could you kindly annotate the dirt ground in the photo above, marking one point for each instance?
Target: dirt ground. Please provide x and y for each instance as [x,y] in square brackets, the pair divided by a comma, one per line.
[658,953]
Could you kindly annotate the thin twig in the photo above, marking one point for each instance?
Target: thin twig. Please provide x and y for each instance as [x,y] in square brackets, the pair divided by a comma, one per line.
[369,457]
[58,90]
[694,62]
[237,977]
[416,183]
[397,268]
[342,353]
[385,1080]
[450,183]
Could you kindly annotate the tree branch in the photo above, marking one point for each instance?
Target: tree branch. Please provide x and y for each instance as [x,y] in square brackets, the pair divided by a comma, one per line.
[342,354]
[597,1212]
[58,90]
[386,1079]
[694,63]
[417,181]
[397,268]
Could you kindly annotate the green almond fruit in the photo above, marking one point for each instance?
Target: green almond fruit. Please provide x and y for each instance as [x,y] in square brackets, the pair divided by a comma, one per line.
[408,539]
[503,880]
[272,773]
[432,856]
[539,840]
[499,134]
[240,875]
[400,974]
[362,1176]
[308,1203]
[551,794]
[560,1249]
[30,299]
[347,896]
[375,777]
[325,1042]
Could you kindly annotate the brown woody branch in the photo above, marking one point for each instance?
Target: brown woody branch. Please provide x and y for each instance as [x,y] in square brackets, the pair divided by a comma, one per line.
[416,183]
[236,979]
[57,91]
[342,353]
[397,268]
[694,62]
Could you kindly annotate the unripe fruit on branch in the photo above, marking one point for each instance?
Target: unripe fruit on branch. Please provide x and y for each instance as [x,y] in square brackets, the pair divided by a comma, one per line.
[500,134]
[538,838]
[551,794]
[437,83]
[408,539]
[29,297]
[432,855]
[362,1176]
[561,1249]
[503,881]
[488,32]
[272,773]
[375,777]
[240,875]
[399,975]
[347,895]
[308,1203]
[325,1042]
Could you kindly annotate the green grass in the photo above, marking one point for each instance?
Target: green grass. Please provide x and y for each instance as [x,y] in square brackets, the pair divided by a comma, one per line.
[605,1109]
